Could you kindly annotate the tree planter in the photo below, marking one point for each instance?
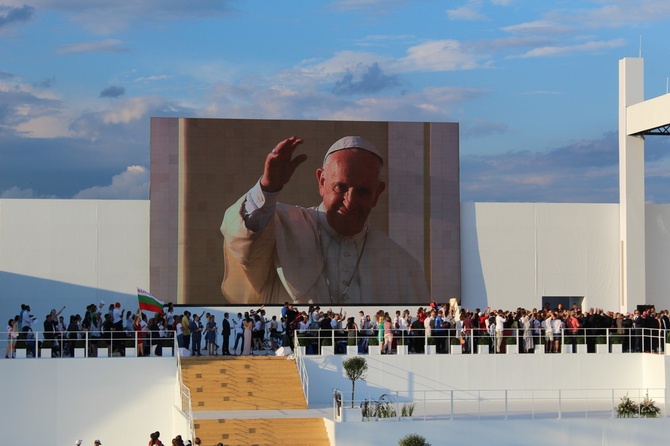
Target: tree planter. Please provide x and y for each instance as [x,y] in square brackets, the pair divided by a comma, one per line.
[131,352]
[45,353]
[602,348]
[483,349]
[79,352]
[566,349]
[456,349]
[617,348]
[352,350]
[20,353]
[103,352]
[403,350]
[327,350]
[582,349]
[539,349]
[431,350]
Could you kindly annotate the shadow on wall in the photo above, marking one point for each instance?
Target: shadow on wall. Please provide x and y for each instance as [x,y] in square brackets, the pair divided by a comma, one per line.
[43,294]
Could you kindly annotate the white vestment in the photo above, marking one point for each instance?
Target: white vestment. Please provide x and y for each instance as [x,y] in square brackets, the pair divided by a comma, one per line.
[297,257]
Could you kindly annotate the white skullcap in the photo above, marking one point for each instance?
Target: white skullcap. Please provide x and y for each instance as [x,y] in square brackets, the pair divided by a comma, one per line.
[353,142]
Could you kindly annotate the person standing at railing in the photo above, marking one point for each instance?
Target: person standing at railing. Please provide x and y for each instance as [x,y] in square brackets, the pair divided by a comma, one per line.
[96,333]
[238,327]
[139,327]
[638,325]
[440,332]
[211,330]
[185,330]
[652,327]
[499,330]
[12,335]
[557,328]
[196,335]
[72,335]
[388,335]
[225,333]
[664,320]
[572,330]
[49,327]
[246,346]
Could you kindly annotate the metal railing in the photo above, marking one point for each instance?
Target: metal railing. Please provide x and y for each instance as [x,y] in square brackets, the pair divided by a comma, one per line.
[512,340]
[302,369]
[36,344]
[504,404]
[186,406]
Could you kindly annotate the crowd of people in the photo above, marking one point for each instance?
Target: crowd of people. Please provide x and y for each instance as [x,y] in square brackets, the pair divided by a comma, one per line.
[446,325]
[115,329]
[442,325]
[154,440]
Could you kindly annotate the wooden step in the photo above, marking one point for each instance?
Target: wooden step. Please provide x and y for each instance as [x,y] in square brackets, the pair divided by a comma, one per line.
[243,383]
[263,431]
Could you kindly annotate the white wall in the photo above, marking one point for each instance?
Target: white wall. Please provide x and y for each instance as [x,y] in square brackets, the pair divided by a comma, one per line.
[117,400]
[515,253]
[77,252]
[71,252]
[414,374]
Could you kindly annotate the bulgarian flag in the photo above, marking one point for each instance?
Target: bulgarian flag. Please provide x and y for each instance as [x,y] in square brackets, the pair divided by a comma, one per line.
[149,302]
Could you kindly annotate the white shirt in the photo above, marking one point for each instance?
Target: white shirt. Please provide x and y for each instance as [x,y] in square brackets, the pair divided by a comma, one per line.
[500,323]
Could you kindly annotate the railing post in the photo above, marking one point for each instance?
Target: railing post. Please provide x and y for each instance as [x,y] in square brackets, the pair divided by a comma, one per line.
[506,407]
[479,404]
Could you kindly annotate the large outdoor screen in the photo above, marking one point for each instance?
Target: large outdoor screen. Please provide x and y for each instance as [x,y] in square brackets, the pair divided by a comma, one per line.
[201,168]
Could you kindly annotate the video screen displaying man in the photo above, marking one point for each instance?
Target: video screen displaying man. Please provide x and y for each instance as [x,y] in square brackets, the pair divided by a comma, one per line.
[276,252]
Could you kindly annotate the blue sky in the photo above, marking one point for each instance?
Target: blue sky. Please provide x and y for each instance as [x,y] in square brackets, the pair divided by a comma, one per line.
[532,83]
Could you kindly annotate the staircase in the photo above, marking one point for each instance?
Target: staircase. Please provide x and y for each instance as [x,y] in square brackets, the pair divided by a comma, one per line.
[260,383]
[263,432]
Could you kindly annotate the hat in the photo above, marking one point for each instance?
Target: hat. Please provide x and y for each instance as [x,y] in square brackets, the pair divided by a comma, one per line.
[353,142]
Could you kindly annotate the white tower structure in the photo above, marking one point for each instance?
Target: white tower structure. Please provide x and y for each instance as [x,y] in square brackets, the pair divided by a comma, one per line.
[637,119]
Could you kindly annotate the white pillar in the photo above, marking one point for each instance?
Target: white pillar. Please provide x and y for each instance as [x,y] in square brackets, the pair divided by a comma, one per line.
[631,189]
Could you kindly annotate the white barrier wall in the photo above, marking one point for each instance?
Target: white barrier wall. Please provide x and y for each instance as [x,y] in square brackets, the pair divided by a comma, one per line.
[72,253]
[415,374]
[117,400]
[77,252]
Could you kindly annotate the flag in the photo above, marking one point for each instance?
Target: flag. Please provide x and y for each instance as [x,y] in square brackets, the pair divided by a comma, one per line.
[149,302]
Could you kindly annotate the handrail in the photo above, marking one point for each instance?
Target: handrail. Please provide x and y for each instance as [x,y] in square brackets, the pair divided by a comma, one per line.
[302,369]
[633,340]
[508,403]
[186,407]
[87,344]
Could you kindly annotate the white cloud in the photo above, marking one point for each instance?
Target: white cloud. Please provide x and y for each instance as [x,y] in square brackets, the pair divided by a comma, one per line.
[133,184]
[539,27]
[468,12]
[438,55]
[130,110]
[103,46]
[16,192]
[110,17]
[563,50]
